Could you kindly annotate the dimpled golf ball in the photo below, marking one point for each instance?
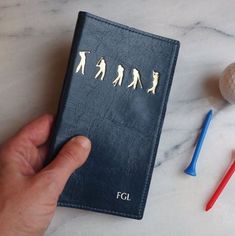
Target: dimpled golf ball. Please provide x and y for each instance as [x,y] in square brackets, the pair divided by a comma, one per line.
[227,83]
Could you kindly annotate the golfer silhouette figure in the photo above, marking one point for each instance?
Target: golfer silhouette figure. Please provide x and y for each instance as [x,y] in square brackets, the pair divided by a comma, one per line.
[102,67]
[154,82]
[119,78]
[81,65]
[136,79]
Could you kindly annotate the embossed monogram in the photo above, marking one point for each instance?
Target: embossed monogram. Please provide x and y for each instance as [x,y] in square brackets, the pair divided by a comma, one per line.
[123,196]
[136,77]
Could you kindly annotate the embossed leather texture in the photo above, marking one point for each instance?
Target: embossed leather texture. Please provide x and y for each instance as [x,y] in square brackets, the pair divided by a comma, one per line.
[123,123]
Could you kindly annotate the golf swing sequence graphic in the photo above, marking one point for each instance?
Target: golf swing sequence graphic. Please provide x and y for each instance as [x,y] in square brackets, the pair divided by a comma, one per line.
[101,65]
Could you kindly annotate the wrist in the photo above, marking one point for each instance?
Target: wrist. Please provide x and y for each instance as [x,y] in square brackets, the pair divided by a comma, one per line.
[13,228]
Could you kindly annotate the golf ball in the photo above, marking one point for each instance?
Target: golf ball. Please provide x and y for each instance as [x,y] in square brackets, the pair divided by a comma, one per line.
[227,83]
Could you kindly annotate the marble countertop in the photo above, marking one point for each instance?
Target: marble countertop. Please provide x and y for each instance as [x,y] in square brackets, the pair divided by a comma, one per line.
[35,39]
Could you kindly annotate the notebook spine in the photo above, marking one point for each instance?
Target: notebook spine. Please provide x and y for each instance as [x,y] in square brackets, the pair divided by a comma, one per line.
[66,85]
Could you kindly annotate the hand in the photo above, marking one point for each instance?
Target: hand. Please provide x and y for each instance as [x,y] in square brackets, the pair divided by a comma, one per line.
[28,193]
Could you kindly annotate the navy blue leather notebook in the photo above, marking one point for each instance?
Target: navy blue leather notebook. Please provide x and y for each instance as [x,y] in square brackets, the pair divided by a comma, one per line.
[115,92]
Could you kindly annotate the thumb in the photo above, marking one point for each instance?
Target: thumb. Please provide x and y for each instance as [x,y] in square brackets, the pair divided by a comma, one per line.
[73,154]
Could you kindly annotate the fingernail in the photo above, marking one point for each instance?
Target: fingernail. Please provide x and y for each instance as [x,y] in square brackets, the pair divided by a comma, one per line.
[83,141]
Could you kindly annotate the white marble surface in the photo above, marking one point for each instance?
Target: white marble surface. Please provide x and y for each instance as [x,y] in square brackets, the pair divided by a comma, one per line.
[35,38]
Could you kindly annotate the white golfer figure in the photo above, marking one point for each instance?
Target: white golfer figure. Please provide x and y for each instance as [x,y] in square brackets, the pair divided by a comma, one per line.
[155,82]
[102,67]
[81,65]
[136,79]
[119,78]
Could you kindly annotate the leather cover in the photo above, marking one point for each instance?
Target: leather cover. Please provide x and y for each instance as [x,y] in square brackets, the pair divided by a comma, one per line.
[124,124]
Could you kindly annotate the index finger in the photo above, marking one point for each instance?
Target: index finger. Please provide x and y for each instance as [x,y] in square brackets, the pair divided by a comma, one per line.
[37,131]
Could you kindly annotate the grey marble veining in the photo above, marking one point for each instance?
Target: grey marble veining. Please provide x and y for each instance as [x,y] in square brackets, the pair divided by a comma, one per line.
[35,39]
